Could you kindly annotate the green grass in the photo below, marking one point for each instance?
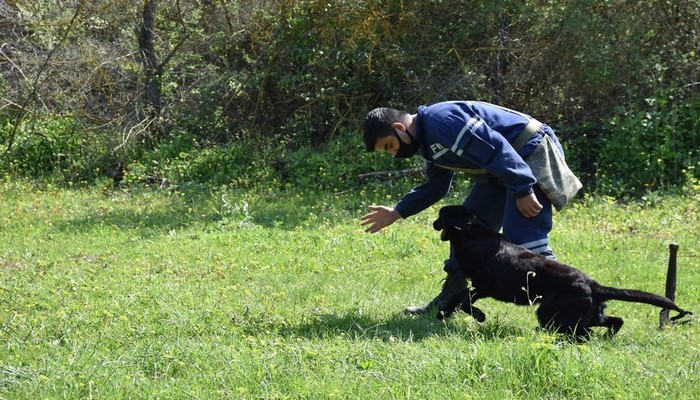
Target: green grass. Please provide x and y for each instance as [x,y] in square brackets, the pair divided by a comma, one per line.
[214,293]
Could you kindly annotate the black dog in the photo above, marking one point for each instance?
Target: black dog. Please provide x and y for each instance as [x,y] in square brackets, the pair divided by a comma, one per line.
[570,302]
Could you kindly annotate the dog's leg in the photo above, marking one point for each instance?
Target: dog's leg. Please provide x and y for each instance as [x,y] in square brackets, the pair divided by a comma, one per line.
[566,313]
[448,309]
[613,324]
[468,306]
[600,319]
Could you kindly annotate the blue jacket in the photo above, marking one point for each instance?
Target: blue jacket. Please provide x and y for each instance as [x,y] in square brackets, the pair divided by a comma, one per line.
[469,135]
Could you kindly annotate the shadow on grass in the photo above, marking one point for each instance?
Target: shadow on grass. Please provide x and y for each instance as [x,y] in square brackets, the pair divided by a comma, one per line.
[146,224]
[398,327]
[403,327]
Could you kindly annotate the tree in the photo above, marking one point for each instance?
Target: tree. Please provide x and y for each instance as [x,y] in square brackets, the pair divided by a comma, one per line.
[152,70]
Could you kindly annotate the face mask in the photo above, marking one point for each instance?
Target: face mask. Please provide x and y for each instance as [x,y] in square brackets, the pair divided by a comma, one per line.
[406,149]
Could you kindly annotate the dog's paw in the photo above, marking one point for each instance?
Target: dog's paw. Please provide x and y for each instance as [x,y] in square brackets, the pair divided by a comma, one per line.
[478,315]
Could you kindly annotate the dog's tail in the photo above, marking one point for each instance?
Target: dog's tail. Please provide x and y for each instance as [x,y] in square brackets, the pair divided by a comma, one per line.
[604,293]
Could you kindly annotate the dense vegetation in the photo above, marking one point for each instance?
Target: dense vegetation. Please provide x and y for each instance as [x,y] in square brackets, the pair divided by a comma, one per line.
[255,91]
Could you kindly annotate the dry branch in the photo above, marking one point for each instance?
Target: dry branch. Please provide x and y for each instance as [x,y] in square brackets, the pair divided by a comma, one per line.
[389,175]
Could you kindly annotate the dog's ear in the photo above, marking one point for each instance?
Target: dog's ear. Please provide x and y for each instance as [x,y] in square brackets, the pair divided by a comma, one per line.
[456,217]
[474,219]
[463,217]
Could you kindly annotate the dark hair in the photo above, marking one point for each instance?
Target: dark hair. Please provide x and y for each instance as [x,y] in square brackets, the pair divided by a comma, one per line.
[378,123]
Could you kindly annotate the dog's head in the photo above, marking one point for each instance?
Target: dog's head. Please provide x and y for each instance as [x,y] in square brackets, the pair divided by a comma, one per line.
[465,229]
[453,219]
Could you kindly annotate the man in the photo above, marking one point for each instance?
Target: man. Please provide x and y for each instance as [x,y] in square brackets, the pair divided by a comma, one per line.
[489,142]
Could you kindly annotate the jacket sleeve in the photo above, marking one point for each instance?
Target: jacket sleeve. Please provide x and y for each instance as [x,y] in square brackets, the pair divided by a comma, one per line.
[436,186]
[488,149]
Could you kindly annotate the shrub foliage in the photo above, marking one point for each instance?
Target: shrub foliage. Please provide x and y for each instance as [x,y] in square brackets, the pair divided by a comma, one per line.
[239,91]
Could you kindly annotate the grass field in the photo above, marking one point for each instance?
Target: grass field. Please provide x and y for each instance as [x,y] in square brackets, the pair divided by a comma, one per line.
[214,293]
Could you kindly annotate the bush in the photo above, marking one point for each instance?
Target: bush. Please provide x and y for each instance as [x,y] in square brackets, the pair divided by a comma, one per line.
[651,150]
[336,164]
[270,93]
[58,147]
[332,166]
[184,160]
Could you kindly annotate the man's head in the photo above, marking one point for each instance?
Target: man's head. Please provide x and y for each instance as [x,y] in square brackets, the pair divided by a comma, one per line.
[386,131]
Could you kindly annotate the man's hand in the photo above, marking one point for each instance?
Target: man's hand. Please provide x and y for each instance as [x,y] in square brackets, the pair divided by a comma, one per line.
[529,206]
[379,218]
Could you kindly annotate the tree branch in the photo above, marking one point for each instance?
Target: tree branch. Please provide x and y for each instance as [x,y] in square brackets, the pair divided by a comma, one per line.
[23,108]
[388,175]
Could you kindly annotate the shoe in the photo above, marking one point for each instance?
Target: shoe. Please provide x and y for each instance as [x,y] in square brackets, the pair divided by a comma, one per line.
[453,285]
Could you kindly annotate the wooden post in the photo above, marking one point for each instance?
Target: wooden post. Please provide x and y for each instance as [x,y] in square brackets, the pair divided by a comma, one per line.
[670,282]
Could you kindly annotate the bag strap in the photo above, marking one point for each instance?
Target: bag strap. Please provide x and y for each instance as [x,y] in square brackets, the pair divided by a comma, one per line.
[532,127]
